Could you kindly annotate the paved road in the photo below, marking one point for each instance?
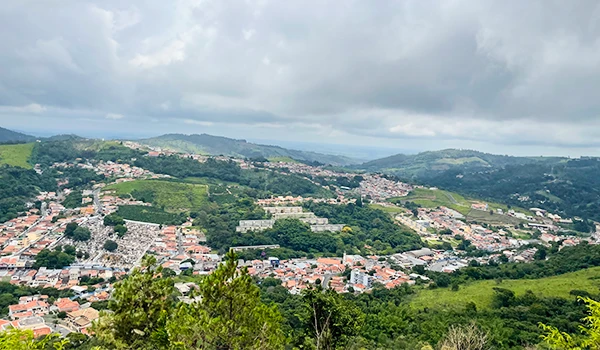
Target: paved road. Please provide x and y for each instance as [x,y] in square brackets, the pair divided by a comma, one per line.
[97,203]
[451,198]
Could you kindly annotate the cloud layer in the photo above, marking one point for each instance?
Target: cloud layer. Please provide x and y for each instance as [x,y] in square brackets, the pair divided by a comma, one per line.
[511,74]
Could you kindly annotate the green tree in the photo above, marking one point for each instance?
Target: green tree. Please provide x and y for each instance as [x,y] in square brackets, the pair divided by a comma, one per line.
[113,220]
[590,337]
[140,307]
[70,228]
[81,234]
[15,339]
[331,320]
[229,315]
[120,230]
[110,245]
[167,272]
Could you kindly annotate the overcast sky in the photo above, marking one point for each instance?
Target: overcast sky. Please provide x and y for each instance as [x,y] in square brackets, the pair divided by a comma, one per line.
[516,77]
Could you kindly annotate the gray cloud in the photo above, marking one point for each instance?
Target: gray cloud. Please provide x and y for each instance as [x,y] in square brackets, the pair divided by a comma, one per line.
[455,73]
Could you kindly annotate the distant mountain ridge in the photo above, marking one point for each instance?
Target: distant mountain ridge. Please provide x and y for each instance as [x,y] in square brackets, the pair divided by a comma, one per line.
[7,135]
[218,145]
[426,164]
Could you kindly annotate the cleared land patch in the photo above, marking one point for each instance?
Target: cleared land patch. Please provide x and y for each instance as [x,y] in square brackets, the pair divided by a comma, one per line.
[16,155]
[172,196]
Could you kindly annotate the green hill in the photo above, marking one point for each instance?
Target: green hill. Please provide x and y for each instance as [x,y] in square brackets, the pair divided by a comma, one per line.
[173,196]
[217,145]
[481,292]
[16,155]
[427,164]
[13,136]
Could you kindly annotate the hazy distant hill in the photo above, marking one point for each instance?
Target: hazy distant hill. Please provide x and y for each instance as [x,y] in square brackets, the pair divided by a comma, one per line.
[13,136]
[217,145]
[427,164]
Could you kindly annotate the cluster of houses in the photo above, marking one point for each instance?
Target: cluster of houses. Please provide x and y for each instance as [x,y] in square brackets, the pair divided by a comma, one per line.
[29,314]
[378,188]
[364,272]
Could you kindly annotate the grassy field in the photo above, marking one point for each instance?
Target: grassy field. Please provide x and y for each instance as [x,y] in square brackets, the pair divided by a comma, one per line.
[391,210]
[16,155]
[481,292]
[219,191]
[496,219]
[435,198]
[173,196]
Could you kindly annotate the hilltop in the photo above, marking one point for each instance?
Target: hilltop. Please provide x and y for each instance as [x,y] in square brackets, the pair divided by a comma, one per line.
[426,164]
[217,145]
[13,136]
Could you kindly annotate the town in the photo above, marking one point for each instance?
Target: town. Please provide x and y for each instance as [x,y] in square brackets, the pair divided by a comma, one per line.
[86,254]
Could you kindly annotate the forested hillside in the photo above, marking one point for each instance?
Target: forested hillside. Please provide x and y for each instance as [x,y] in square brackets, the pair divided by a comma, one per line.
[17,187]
[13,136]
[216,145]
[571,187]
[426,164]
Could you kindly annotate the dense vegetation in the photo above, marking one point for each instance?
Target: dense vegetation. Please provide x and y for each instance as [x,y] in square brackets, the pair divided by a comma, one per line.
[110,245]
[55,259]
[568,259]
[76,232]
[73,148]
[73,200]
[77,177]
[372,227]
[228,315]
[187,167]
[17,187]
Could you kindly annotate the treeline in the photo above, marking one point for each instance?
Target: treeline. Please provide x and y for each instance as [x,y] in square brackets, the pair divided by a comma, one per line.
[568,259]
[47,153]
[188,167]
[77,177]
